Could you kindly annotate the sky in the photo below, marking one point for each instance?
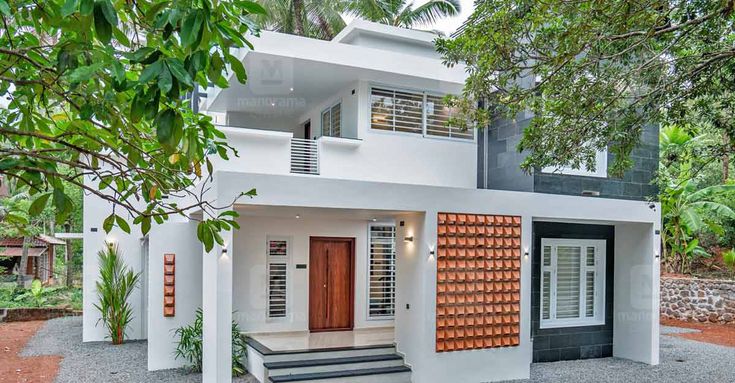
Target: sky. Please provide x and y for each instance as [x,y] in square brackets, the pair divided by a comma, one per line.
[447,25]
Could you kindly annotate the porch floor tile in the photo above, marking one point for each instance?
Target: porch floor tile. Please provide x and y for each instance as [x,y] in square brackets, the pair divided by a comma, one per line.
[304,340]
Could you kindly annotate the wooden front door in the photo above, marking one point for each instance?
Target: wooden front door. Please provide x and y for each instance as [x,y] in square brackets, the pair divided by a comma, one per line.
[331,283]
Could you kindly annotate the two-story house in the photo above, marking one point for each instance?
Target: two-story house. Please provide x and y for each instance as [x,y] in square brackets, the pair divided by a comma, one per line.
[383,245]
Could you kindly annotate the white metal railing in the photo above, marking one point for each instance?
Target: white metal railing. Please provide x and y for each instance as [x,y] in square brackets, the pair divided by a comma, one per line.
[304,156]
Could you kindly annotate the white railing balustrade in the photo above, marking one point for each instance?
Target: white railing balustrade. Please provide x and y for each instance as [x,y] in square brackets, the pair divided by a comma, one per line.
[304,156]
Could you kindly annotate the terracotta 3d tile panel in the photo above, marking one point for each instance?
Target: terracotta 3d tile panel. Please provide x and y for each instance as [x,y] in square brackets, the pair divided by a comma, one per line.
[169,285]
[478,290]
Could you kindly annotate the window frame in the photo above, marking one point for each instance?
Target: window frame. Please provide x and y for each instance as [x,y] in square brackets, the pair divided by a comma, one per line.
[369,316]
[600,283]
[600,168]
[271,259]
[424,93]
[328,110]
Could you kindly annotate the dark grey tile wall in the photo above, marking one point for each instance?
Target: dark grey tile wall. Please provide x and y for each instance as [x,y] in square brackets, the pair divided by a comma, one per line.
[551,345]
[634,185]
[499,166]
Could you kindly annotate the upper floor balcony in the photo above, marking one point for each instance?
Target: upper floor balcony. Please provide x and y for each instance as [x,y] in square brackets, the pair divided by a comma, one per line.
[358,107]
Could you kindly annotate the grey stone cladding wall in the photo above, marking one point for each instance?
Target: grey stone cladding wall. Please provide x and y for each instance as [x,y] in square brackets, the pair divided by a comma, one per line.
[698,300]
[499,165]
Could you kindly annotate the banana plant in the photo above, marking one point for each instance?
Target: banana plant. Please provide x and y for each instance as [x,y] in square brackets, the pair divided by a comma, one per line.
[687,211]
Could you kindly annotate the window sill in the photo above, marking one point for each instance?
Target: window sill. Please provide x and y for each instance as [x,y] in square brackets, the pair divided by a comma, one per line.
[340,141]
[565,324]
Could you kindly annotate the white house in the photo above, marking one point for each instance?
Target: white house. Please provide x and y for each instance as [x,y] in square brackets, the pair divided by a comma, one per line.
[378,248]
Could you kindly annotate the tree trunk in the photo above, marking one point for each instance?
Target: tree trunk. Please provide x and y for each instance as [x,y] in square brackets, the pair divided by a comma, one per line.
[726,158]
[23,262]
[68,258]
[326,29]
[298,17]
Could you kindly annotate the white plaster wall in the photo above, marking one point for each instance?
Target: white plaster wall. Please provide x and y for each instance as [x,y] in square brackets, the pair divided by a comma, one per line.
[391,44]
[258,151]
[249,270]
[636,302]
[95,212]
[416,279]
[179,239]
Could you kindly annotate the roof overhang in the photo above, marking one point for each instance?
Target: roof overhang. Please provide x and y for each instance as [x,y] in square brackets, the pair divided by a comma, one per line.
[303,71]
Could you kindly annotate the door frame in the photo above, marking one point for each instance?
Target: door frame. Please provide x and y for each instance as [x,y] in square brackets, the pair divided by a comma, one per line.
[351,241]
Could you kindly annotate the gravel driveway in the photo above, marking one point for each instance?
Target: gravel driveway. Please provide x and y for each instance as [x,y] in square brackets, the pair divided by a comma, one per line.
[99,361]
[682,360]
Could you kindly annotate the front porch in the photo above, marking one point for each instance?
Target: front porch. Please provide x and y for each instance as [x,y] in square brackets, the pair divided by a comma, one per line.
[265,275]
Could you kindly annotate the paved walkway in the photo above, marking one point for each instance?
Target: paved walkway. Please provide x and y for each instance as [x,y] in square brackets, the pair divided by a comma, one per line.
[682,360]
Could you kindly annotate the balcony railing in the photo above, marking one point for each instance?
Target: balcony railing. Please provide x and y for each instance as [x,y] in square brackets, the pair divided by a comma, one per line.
[304,156]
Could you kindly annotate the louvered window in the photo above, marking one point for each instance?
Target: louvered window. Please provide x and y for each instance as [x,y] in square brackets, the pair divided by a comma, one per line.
[277,289]
[382,272]
[332,121]
[412,112]
[572,282]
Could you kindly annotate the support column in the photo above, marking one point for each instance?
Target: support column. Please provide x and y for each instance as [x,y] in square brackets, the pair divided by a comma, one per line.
[217,313]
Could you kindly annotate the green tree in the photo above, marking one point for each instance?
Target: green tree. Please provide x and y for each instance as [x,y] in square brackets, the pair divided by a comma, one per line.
[311,18]
[401,13]
[98,86]
[593,72]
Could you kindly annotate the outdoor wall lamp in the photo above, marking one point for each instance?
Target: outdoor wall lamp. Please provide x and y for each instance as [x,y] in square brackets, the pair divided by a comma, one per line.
[408,238]
[224,249]
[525,253]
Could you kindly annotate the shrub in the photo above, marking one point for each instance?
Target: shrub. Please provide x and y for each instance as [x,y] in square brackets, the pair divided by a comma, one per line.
[189,346]
[729,258]
[113,290]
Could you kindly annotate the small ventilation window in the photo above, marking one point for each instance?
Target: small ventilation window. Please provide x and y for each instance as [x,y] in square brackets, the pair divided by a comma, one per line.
[277,288]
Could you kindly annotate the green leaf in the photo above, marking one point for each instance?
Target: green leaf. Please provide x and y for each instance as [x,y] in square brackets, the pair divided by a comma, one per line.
[102,26]
[84,73]
[177,69]
[63,204]
[151,71]
[237,67]
[86,7]
[108,223]
[145,225]
[165,127]
[165,80]
[122,224]
[4,8]
[38,205]
[191,28]
[109,11]
[251,7]
[137,108]
[69,7]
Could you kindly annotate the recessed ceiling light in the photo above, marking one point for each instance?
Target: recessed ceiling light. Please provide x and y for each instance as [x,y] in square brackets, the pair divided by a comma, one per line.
[374,220]
[291,89]
[298,216]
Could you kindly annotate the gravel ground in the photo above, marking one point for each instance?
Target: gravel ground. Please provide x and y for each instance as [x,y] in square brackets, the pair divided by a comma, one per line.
[99,361]
[678,330]
[682,360]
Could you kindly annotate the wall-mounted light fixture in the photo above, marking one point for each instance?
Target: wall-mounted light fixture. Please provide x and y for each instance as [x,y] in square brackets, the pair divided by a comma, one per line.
[224,249]
[657,255]
[408,238]
[525,252]
[432,252]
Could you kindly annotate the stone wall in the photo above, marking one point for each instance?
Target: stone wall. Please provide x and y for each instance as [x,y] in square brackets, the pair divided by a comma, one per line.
[29,314]
[699,300]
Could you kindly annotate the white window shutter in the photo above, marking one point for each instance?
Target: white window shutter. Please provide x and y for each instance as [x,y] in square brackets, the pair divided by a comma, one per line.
[382,272]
